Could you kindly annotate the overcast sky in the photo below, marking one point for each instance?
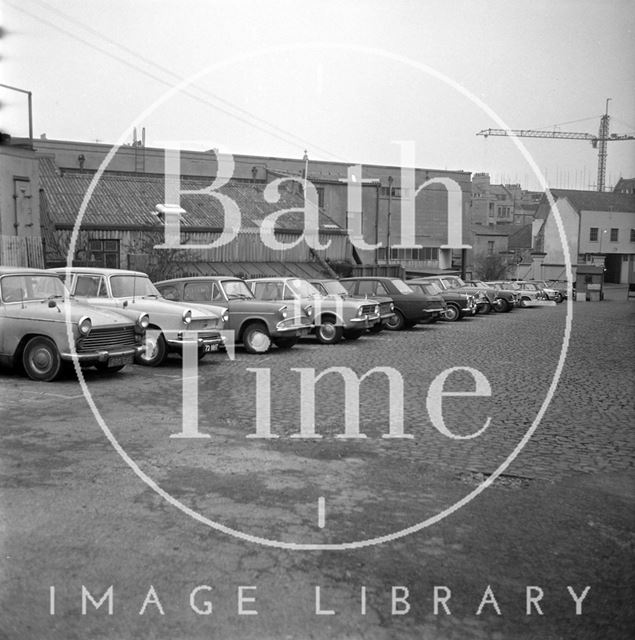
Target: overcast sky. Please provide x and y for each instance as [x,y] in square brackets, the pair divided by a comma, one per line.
[342,79]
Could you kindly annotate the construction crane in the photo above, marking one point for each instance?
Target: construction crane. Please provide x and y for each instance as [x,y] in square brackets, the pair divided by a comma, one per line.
[598,141]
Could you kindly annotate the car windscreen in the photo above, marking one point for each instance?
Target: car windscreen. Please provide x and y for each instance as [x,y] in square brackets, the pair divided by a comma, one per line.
[333,287]
[237,290]
[128,286]
[302,288]
[23,287]
[401,286]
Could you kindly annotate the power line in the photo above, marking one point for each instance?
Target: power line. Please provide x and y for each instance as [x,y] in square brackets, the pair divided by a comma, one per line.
[282,134]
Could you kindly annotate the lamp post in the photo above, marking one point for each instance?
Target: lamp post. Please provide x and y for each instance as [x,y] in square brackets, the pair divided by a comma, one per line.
[30,107]
[390,181]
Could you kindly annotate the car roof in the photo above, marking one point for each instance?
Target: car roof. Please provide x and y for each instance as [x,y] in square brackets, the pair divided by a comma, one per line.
[372,278]
[198,279]
[99,270]
[8,269]
[274,279]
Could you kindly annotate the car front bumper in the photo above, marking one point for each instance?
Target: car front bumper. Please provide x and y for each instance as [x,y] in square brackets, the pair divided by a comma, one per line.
[103,355]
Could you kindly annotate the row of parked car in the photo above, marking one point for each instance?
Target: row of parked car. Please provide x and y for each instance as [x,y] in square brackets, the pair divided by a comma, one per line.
[108,318]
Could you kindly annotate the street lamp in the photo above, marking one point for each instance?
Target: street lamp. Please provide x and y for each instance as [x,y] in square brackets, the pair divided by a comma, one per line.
[30,107]
[390,181]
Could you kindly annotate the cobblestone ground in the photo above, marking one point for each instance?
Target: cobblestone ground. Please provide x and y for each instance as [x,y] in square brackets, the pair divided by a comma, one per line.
[558,517]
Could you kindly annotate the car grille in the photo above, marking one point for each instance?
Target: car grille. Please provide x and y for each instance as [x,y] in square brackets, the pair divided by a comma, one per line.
[107,338]
[384,308]
[200,325]
[368,309]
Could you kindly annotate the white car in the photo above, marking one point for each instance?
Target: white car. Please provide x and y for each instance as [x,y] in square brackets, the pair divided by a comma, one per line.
[132,292]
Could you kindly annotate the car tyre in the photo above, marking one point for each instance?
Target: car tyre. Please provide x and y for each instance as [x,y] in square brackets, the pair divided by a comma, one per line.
[558,297]
[286,343]
[327,332]
[377,328]
[155,350]
[501,305]
[452,313]
[397,322]
[256,338]
[41,359]
[485,308]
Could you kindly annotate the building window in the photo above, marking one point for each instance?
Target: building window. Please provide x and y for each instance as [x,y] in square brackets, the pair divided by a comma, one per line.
[593,234]
[104,253]
[490,247]
[615,234]
[632,235]
[423,254]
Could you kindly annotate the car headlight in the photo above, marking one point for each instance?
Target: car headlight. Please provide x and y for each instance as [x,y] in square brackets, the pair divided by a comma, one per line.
[225,316]
[143,321]
[283,311]
[308,310]
[84,325]
[187,316]
[392,306]
[360,312]
[376,309]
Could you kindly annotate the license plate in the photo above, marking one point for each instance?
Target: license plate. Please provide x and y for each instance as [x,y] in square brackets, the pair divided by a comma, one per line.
[118,361]
[209,348]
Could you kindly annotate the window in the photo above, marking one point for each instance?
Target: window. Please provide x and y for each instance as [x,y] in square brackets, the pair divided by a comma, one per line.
[366,287]
[89,286]
[490,247]
[104,253]
[632,235]
[425,253]
[593,234]
[198,292]
[615,233]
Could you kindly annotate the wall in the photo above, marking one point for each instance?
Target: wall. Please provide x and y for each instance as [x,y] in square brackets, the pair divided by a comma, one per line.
[19,177]
[605,221]
[552,245]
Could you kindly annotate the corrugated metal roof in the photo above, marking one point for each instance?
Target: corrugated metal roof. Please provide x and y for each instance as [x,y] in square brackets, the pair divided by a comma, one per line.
[253,269]
[128,200]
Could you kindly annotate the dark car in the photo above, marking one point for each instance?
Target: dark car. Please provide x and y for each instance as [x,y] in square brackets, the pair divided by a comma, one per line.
[331,287]
[450,282]
[458,303]
[411,307]
[502,300]
[256,323]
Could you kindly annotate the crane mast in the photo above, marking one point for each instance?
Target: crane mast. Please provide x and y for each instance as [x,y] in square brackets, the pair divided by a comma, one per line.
[598,141]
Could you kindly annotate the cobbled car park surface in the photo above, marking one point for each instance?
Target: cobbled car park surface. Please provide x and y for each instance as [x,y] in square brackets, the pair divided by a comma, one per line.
[75,513]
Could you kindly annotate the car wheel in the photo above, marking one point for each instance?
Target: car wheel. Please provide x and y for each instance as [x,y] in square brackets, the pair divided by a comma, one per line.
[452,313]
[155,349]
[501,305]
[285,343]
[41,359]
[485,308]
[397,322]
[353,334]
[524,301]
[377,328]
[558,297]
[256,338]
[328,332]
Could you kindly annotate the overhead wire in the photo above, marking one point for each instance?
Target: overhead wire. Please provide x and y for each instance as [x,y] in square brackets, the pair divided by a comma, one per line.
[276,131]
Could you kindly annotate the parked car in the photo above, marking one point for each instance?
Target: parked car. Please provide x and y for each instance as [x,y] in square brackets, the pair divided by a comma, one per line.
[34,309]
[446,282]
[458,303]
[551,293]
[411,307]
[529,293]
[502,286]
[132,292]
[331,287]
[503,300]
[333,317]
[560,287]
[257,324]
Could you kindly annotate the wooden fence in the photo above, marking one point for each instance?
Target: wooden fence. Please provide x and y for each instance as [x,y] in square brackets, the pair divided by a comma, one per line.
[21,251]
